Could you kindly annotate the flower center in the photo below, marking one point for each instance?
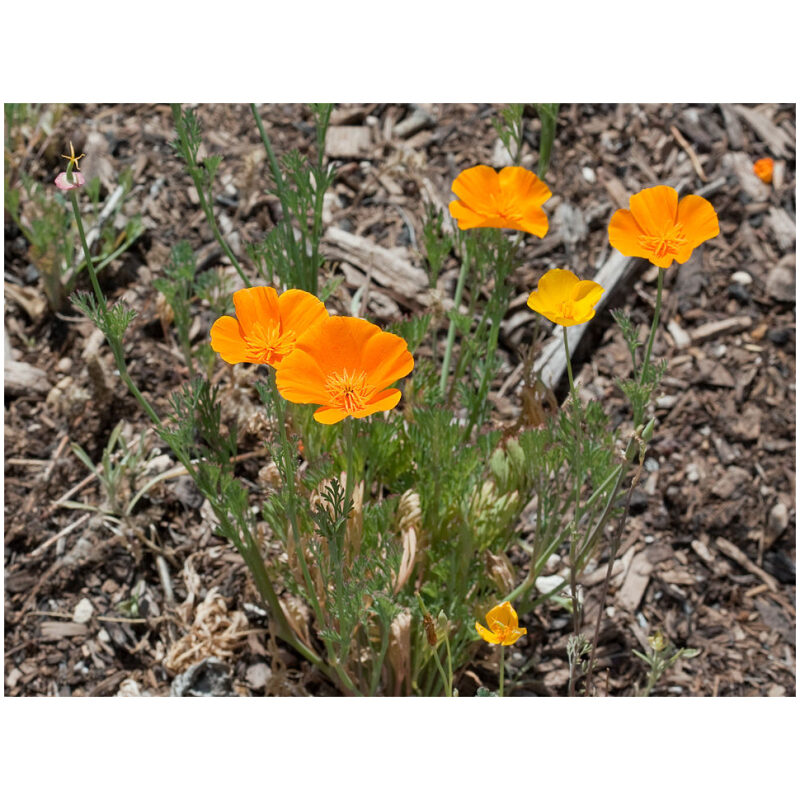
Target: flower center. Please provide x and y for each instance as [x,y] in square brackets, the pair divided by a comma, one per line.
[266,344]
[667,244]
[347,391]
[501,631]
[506,209]
[566,310]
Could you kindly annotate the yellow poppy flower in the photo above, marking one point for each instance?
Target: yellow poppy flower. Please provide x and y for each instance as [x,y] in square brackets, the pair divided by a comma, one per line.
[512,199]
[503,626]
[661,229]
[565,299]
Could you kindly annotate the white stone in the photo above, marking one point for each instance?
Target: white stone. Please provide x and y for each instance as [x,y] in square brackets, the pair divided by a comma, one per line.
[745,278]
[548,583]
[257,675]
[83,611]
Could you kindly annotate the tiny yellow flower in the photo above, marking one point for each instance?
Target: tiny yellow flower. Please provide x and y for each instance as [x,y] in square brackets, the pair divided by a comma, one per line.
[656,641]
[565,299]
[503,626]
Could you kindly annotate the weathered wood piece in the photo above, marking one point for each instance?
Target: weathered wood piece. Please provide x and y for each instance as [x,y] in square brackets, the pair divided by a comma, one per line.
[778,141]
[735,554]
[387,267]
[21,378]
[719,327]
[348,141]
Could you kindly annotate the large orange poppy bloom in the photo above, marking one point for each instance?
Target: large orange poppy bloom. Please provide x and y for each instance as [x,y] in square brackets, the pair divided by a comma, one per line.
[503,626]
[268,325]
[345,367]
[511,199]
[661,229]
[564,298]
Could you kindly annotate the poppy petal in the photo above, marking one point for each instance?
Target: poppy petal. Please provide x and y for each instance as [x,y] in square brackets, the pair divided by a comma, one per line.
[699,222]
[580,313]
[477,187]
[465,216]
[535,302]
[513,636]
[624,234]
[386,358]
[300,380]
[257,304]
[383,401]
[227,341]
[534,221]
[556,286]
[588,291]
[329,416]
[300,311]
[523,183]
[486,634]
[655,209]
[499,615]
[338,343]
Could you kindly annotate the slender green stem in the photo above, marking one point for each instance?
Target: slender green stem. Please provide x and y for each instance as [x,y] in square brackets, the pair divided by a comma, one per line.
[101,300]
[194,171]
[615,542]
[350,442]
[376,672]
[577,411]
[449,665]
[502,668]
[288,463]
[439,666]
[653,327]
[280,188]
[451,332]
[114,342]
[273,161]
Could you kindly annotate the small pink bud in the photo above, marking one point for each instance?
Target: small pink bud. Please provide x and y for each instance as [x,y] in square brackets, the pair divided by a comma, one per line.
[65,185]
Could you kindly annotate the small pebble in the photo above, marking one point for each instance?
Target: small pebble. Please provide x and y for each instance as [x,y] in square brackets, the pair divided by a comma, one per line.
[547,583]
[588,174]
[745,278]
[778,520]
[651,464]
[129,688]
[257,675]
[667,401]
[83,611]
[692,473]
[779,336]
[738,293]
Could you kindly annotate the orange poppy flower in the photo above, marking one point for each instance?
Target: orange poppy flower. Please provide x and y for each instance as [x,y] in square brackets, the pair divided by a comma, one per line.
[503,626]
[660,229]
[565,299]
[345,367]
[267,327]
[763,168]
[511,199]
